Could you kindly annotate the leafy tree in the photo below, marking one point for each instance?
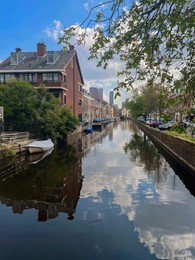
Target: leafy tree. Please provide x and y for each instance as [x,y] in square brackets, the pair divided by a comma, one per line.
[149,37]
[19,101]
[135,105]
[155,98]
[36,111]
[185,88]
[149,94]
[182,96]
[152,98]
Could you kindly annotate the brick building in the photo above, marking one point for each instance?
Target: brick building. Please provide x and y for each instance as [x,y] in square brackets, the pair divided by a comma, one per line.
[59,71]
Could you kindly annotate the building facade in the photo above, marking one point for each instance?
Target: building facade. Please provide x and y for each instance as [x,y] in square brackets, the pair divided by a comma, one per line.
[125,112]
[111,98]
[59,71]
[93,108]
[96,93]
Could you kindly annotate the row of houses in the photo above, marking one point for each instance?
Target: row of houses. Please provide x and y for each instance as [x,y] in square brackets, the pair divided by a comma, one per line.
[60,72]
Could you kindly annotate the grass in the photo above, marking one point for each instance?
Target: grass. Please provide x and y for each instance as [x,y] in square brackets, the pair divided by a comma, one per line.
[6,152]
[185,136]
[180,131]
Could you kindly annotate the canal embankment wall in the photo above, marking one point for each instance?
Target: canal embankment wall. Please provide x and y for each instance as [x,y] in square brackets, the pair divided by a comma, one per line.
[13,143]
[183,150]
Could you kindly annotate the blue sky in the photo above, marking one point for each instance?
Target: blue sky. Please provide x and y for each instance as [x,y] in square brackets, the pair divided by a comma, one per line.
[24,23]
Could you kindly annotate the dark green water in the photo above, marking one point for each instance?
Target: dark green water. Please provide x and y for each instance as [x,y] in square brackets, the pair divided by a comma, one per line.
[111,196]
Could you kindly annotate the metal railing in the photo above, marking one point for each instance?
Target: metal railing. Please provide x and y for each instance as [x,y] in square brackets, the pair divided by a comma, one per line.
[11,138]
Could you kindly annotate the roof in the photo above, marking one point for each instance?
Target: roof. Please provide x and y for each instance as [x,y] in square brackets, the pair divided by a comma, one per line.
[31,62]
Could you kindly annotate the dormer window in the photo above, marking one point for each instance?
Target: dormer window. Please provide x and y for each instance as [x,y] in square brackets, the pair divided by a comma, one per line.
[16,58]
[52,56]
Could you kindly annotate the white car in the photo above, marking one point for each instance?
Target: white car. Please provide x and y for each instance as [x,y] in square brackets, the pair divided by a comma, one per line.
[148,121]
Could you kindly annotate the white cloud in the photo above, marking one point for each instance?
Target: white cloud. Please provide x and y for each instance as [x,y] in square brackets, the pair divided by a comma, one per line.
[55,31]
[97,76]
[93,75]
[86,5]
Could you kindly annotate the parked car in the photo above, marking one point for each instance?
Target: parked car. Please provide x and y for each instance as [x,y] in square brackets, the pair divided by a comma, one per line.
[187,123]
[148,121]
[161,120]
[96,120]
[167,125]
[154,122]
[85,122]
[141,118]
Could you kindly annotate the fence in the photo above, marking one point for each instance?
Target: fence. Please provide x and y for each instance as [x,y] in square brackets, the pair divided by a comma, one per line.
[12,138]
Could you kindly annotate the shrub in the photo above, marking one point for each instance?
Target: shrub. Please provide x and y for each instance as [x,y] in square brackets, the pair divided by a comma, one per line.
[178,129]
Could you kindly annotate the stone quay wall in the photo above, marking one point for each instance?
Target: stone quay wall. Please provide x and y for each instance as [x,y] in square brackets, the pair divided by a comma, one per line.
[183,150]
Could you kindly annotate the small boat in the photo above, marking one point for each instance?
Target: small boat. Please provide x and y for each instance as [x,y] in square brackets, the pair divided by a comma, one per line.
[88,130]
[37,157]
[39,146]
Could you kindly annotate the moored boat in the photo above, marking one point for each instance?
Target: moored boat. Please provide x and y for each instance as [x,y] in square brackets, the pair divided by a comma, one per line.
[39,146]
[37,157]
[88,130]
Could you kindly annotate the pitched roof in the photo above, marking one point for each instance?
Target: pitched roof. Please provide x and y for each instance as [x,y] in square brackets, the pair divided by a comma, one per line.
[30,62]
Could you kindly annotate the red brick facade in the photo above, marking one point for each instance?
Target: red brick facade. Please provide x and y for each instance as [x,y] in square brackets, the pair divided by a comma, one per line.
[58,71]
[73,93]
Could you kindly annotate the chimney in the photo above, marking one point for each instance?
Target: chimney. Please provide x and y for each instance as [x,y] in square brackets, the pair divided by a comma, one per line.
[18,50]
[71,48]
[41,49]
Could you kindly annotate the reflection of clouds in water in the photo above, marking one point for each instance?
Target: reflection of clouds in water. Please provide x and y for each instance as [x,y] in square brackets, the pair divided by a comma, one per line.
[173,190]
[169,233]
[160,213]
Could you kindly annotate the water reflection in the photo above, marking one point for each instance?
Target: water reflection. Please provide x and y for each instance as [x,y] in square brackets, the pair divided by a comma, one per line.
[50,187]
[143,152]
[37,157]
[49,182]
[124,194]
[165,226]
[156,161]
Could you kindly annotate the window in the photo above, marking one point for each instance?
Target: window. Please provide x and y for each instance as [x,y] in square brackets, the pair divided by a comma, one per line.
[47,77]
[55,77]
[8,77]
[64,99]
[52,56]
[25,77]
[30,77]
[80,117]
[55,92]
[79,102]
[50,77]
[79,87]
[2,78]
[64,78]
[34,77]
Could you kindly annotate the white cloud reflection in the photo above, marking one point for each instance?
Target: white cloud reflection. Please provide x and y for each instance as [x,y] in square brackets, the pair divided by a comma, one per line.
[162,218]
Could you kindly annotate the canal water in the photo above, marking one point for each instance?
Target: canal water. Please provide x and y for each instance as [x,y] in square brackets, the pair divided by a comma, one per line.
[113,195]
